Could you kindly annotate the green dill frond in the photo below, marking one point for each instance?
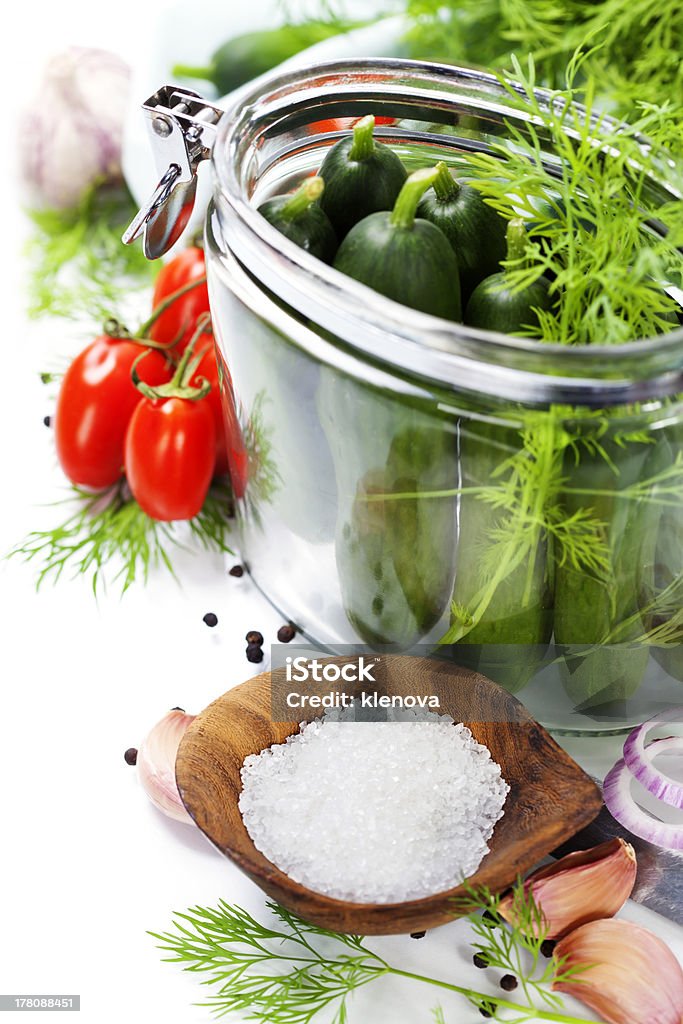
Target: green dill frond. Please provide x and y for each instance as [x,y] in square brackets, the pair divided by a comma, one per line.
[264,476]
[294,970]
[276,974]
[633,48]
[78,265]
[107,535]
[461,616]
[579,540]
[516,946]
[589,228]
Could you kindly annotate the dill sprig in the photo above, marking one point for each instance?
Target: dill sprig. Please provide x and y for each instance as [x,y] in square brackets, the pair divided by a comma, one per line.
[275,973]
[637,59]
[108,529]
[659,618]
[264,476]
[517,949]
[528,491]
[588,218]
[288,972]
[78,264]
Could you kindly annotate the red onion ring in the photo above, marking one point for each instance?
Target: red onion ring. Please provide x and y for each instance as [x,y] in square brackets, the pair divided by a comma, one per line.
[621,805]
[639,760]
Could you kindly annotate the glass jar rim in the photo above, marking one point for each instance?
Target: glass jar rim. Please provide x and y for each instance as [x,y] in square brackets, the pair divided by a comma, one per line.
[450,353]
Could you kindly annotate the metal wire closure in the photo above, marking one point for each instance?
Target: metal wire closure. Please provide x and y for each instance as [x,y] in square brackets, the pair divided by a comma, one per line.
[182,128]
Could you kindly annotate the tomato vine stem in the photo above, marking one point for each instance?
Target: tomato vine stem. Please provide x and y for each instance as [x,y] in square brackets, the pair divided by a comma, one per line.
[167,303]
[179,386]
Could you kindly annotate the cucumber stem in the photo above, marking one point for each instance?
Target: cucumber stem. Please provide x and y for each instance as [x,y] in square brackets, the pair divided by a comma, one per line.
[363,145]
[403,214]
[515,237]
[303,198]
[445,185]
[208,73]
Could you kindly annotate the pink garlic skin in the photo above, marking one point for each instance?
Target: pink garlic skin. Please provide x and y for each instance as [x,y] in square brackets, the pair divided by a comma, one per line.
[581,887]
[635,978]
[156,764]
[70,136]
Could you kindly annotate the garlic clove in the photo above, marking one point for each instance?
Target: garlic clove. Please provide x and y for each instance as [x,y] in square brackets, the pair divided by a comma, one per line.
[584,886]
[156,764]
[631,976]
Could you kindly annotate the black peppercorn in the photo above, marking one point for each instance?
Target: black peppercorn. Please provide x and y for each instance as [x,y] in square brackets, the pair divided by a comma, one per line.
[178,709]
[210,619]
[286,634]
[254,654]
[480,961]
[413,935]
[131,756]
[508,983]
[490,919]
[485,1012]
[547,948]
[254,638]
[237,570]
[47,420]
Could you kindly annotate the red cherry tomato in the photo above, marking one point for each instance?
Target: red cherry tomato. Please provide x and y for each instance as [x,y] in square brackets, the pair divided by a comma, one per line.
[340,124]
[96,401]
[208,368]
[170,456]
[179,320]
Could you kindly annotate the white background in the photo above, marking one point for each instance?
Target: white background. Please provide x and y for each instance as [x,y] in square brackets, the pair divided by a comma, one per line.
[86,864]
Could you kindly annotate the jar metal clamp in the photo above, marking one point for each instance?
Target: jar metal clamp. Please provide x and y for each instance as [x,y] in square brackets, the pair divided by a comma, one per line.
[182,127]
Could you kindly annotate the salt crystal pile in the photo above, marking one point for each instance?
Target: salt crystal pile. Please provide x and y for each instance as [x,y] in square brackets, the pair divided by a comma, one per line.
[374,812]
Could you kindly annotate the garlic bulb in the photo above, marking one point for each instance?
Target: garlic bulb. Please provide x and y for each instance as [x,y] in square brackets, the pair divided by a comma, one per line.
[70,136]
[584,886]
[156,764]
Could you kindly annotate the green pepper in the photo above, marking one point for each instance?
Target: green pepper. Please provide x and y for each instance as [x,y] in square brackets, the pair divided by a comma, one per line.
[408,260]
[299,218]
[362,176]
[247,56]
[476,232]
[394,546]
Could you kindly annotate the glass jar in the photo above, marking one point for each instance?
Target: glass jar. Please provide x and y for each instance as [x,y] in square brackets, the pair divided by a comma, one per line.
[403,480]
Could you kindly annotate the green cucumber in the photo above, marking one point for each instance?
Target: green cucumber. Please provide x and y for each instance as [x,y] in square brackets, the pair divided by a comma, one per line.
[495,306]
[300,218]
[474,229]
[408,260]
[361,177]
[394,548]
[597,616]
[668,571]
[509,641]
[245,57]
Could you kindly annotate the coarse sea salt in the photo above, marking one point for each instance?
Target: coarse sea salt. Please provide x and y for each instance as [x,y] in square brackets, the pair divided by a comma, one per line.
[374,812]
